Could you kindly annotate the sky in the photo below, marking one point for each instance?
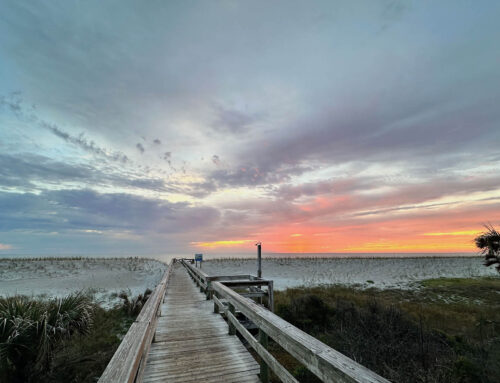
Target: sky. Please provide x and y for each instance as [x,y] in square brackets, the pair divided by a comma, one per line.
[178,127]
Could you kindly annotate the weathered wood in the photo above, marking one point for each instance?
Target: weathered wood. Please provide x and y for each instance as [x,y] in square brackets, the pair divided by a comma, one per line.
[254,294]
[192,343]
[230,277]
[264,368]
[126,361]
[326,363]
[199,276]
[245,283]
[277,368]
[232,328]
[217,305]
[270,291]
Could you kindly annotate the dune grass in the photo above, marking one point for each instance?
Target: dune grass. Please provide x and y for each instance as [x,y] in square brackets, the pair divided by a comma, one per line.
[445,330]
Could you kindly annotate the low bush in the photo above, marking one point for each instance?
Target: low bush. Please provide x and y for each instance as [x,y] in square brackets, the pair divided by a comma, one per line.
[405,336]
[71,339]
[30,330]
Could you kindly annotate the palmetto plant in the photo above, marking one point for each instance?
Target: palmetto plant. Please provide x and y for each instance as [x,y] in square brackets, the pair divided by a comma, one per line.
[133,306]
[489,243]
[30,328]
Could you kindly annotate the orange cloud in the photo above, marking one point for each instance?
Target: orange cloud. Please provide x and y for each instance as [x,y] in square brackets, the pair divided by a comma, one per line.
[434,231]
[216,244]
[454,233]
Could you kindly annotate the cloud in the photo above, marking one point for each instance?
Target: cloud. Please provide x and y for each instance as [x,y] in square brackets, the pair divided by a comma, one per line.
[4,246]
[331,138]
[233,120]
[13,102]
[140,147]
[337,186]
[27,171]
[16,104]
[248,174]
[70,209]
[343,202]
[309,110]
[85,144]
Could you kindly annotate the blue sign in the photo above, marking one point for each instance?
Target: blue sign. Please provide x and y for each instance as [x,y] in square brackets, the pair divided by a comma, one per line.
[198,257]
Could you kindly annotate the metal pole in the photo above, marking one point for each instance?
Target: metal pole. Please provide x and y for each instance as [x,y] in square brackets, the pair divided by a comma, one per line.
[259,260]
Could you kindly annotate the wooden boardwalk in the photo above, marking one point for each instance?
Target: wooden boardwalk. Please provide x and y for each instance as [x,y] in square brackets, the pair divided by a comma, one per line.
[177,337]
[191,343]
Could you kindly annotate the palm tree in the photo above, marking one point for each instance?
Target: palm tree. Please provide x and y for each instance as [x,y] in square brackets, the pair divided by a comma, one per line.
[30,329]
[489,243]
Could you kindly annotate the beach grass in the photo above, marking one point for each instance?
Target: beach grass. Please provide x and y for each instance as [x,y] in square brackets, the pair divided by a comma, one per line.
[443,330]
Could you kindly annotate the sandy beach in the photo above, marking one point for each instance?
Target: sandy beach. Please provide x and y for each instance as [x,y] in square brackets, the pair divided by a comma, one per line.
[382,273]
[55,277]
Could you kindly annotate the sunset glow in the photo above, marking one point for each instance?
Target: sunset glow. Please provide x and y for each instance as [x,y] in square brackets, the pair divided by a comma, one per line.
[217,244]
[209,126]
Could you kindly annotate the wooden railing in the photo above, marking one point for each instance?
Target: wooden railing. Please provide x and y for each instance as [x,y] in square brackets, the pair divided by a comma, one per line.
[129,361]
[326,363]
[252,284]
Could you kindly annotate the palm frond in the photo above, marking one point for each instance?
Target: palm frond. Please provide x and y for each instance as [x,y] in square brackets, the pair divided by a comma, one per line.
[489,244]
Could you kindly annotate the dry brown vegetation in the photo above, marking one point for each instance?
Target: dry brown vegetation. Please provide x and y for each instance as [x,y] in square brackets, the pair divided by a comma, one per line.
[448,330]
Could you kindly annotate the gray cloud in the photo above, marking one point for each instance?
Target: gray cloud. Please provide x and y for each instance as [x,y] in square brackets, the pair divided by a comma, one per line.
[233,120]
[82,142]
[326,187]
[247,174]
[82,209]
[333,138]
[139,147]
[27,171]
[13,102]
[16,104]
[157,141]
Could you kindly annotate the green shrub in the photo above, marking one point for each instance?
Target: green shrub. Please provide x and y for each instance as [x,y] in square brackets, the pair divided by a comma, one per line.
[306,311]
[447,331]
[83,358]
[30,330]
[133,306]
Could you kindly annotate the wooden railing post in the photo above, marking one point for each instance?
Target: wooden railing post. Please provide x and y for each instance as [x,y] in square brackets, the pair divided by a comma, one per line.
[216,307]
[232,310]
[264,368]
[209,290]
[270,296]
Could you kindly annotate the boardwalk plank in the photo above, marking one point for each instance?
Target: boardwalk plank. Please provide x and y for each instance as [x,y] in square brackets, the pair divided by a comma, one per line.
[192,343]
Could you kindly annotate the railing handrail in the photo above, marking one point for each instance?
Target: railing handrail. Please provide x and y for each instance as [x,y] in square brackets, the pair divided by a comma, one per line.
[326,363]
[205,277]
[128,359]
[242,280]
[200,274]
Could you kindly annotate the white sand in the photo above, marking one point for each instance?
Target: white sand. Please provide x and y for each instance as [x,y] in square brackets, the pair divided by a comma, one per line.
[105,277]
[381,273]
